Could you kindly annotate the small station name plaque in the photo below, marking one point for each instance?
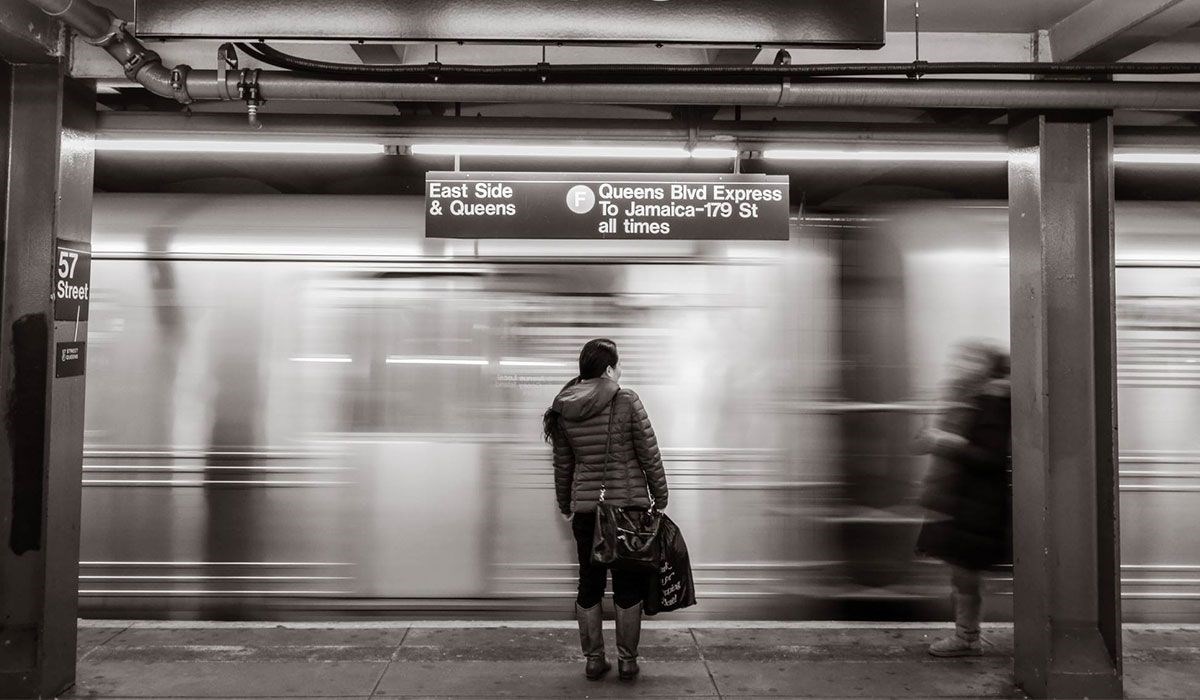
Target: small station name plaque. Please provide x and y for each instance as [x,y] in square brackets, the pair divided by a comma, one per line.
[618,206]
[73,268]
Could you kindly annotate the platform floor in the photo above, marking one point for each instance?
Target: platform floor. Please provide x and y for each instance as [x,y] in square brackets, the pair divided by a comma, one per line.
[692,660]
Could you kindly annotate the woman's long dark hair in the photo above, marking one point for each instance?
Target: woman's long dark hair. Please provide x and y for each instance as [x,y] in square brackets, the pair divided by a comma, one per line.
[596,356]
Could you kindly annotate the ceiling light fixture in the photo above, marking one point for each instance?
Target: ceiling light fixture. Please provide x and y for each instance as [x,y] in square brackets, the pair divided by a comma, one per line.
[1151,158]
[715,153]
[324,359]
[886,156]
[531,363]
[517,150]
[169,145]
[398,360]
[241,146]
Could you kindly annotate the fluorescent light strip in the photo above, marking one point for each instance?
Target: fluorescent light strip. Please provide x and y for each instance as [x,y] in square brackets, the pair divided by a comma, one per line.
[543,151]
[339,359]
[1176,158]
[816,154]
[202,577]
[398,360]
[190,564]
[241,146]
[1161,158]
[531,363]
[714,153]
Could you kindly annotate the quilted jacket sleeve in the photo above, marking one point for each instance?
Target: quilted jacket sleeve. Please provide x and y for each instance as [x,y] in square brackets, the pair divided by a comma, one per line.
[564,471]
[646,445]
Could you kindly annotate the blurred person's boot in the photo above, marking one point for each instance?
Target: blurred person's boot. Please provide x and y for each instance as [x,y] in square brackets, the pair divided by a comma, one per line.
[629,632]
[965,642]
[591,641]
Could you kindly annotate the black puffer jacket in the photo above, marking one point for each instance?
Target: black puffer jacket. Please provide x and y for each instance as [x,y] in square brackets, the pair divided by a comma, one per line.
[635,469]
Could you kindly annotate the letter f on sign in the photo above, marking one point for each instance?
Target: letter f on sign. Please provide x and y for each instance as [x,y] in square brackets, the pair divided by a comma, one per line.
[581,199]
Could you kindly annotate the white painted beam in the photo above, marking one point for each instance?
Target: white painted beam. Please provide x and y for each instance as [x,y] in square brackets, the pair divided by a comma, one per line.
[379,54]
[935,46]
[1110,30]
[733,57]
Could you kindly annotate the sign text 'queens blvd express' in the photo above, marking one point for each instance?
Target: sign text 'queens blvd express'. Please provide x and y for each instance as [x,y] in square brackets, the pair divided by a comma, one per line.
[622,206]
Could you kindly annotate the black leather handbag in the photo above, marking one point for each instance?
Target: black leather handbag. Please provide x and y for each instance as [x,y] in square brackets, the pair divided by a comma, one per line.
[626,538]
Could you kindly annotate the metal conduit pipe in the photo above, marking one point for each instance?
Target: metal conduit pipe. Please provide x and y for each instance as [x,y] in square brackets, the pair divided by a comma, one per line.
[965,94]
[100,27]
[574,71]
[80,15]
[185,85]
[994,94]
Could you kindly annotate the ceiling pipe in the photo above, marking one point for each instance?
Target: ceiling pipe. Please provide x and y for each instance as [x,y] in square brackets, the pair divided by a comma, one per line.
[87,19]
[100,27]
[782,68]
[882,94]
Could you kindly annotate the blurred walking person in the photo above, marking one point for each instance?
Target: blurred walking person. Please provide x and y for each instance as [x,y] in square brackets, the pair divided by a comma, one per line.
[604,448]
[968,492]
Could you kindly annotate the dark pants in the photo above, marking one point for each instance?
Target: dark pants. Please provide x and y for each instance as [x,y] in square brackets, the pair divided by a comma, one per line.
[629,587]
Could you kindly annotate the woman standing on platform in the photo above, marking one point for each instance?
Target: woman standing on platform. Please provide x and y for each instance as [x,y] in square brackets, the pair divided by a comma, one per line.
[969,488]
[603,445]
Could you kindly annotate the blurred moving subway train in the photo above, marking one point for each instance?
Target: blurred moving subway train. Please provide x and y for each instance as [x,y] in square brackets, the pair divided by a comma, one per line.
[298,406]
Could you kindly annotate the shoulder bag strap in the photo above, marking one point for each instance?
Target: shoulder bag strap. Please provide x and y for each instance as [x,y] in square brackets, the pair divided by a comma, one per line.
[612,410]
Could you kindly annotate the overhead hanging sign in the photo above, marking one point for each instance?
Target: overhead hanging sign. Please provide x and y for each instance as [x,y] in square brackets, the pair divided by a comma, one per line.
[619,206]
[751,23]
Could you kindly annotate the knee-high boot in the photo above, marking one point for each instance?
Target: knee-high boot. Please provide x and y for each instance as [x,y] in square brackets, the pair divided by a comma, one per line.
[591,640]
[629,632]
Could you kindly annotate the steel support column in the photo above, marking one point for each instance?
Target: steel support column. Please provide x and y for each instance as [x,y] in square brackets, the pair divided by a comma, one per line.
[46,125]
[1067,562]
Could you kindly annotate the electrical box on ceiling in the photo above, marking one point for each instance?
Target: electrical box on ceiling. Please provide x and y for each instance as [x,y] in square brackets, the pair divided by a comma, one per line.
[830,23]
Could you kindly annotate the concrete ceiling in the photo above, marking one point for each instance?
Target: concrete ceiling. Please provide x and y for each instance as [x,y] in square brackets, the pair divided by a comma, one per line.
[952,30]
[936,15]
[981,15]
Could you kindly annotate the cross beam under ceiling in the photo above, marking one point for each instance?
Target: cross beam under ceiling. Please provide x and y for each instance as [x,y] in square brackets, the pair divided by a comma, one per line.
[1110,30]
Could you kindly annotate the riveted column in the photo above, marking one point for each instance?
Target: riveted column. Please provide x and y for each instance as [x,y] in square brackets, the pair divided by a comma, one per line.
[1067,561]
[46,124]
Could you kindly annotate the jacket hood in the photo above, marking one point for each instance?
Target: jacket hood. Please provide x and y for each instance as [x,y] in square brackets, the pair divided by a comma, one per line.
[582,399]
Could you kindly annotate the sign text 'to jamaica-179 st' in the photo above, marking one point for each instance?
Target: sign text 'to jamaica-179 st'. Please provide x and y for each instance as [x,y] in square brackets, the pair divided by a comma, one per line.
[620,206]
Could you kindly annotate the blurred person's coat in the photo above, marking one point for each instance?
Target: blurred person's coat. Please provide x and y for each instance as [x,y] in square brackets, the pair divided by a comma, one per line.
[969,487]
[635,470]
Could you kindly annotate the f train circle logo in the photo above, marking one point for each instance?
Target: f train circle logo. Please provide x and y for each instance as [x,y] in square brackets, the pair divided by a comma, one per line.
[581,199]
